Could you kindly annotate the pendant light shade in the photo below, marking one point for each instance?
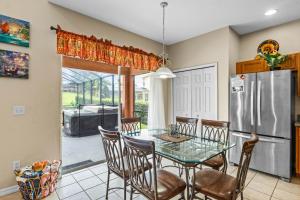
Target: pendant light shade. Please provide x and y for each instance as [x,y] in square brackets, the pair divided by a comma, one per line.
[164,72]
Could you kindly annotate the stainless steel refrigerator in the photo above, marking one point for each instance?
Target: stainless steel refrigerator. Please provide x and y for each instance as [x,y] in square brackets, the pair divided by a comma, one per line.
[263,103]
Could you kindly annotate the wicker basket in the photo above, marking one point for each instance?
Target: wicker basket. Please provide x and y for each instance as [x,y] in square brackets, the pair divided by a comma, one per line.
[38,185]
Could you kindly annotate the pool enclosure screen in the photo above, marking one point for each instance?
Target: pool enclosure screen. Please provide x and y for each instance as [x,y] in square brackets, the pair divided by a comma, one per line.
[81,87]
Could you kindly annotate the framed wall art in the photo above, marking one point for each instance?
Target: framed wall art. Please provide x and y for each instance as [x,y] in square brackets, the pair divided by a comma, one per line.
[14,31]
[14,64]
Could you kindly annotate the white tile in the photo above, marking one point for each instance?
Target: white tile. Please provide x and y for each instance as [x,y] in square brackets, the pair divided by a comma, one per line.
[69,190]
[261,187]
[293,188]
[98,169]
[97,191]
[79,196]
[65,180]
[285,195]
[83,175]
[103,176]
[254,195]
[90,182]
[53,196]
[112,196]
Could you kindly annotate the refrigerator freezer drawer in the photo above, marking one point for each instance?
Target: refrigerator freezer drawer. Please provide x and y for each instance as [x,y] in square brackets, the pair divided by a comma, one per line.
[270,155]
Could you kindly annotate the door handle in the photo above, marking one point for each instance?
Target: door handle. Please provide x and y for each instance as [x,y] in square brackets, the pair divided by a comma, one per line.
[258,103]
[271,140]
[240,135]
[251,103]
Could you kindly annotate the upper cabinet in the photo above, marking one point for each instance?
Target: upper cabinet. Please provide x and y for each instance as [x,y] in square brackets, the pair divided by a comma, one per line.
[260,65]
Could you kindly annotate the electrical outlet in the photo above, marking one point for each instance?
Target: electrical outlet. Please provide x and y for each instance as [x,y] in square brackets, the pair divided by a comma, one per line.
[18,110]
[16,165]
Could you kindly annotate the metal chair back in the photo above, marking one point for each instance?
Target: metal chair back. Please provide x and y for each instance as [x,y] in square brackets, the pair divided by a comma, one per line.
[113,151]
[215,130]
[141,179]
[245,161]
[131,126]
[186,126]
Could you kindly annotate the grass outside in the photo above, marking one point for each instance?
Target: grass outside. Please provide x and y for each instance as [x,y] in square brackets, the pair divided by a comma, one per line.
[69,99]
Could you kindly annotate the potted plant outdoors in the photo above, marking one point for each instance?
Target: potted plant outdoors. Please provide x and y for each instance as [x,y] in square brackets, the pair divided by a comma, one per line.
[273,59]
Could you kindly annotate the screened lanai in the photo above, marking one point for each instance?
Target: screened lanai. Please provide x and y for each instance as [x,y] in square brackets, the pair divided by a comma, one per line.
[89,99]
[81,87]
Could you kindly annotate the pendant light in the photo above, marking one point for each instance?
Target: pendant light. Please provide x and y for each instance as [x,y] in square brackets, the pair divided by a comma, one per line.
[164,72]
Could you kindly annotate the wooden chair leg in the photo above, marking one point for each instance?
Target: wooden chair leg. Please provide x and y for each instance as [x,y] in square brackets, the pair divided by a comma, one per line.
[107,184]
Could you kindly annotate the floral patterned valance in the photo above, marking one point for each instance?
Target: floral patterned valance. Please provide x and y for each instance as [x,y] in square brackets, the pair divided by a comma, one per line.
[93,49]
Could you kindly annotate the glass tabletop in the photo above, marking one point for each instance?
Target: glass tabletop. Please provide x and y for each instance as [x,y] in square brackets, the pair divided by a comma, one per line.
[193,150]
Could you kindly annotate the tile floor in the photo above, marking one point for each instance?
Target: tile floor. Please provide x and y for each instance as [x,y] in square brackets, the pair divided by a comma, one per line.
[90,184]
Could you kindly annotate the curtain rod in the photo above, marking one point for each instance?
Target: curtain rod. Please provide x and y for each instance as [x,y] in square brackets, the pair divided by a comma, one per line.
[52,28]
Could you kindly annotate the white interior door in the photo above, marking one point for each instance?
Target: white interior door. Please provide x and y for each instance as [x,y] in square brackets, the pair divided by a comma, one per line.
[182,94]
[195,93]
[204,100]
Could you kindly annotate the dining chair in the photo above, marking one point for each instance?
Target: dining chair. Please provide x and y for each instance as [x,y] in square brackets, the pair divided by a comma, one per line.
[216,131]
[114,157]
[220,186]
[131,125]
[114,153]
[153,184]
[186,126]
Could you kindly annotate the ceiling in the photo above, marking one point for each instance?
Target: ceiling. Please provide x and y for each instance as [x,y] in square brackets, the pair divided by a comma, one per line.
[186,18]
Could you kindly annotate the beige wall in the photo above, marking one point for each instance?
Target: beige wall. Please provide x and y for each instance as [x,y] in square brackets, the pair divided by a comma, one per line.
[288,36]
[36,135]
[208,48]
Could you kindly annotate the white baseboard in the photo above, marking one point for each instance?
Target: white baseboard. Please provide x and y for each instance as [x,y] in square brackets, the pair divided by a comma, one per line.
[9,190]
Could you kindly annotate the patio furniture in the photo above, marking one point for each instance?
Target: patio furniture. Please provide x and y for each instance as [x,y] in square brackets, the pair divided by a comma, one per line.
[153,184]
[85,120]
[221,186]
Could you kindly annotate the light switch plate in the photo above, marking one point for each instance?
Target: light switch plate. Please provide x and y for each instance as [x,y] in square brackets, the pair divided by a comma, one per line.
[18,110]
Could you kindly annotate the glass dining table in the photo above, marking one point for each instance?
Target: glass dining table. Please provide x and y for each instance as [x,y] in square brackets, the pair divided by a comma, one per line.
[188,153]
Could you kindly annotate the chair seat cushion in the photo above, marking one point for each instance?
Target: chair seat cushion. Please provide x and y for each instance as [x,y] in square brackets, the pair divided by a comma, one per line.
[169,185]
[214,162]
[215,184]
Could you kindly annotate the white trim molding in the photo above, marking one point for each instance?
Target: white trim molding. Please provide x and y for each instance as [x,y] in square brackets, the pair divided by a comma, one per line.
[9,190]
[215,64]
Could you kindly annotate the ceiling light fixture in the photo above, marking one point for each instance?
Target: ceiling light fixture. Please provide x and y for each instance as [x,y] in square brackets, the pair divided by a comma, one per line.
[164,72]
[270,12]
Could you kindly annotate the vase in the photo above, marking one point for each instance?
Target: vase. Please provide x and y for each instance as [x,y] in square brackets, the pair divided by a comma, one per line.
[273,68]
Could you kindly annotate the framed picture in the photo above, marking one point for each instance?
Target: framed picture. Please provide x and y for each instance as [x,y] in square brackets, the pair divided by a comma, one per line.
[14,64]
[14,31]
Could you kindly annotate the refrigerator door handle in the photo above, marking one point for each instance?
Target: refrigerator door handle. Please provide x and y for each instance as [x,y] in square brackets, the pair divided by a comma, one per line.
[241,135]
[251,103]
[271,140]
[258,103]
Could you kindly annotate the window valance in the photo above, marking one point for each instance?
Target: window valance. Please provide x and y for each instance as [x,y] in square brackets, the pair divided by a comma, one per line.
[93,49]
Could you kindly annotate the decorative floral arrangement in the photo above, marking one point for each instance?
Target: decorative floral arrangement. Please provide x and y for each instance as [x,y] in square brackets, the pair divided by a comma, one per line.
[268,50]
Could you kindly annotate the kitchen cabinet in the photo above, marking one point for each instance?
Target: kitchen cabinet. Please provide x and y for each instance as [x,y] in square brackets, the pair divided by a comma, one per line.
[260,65]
